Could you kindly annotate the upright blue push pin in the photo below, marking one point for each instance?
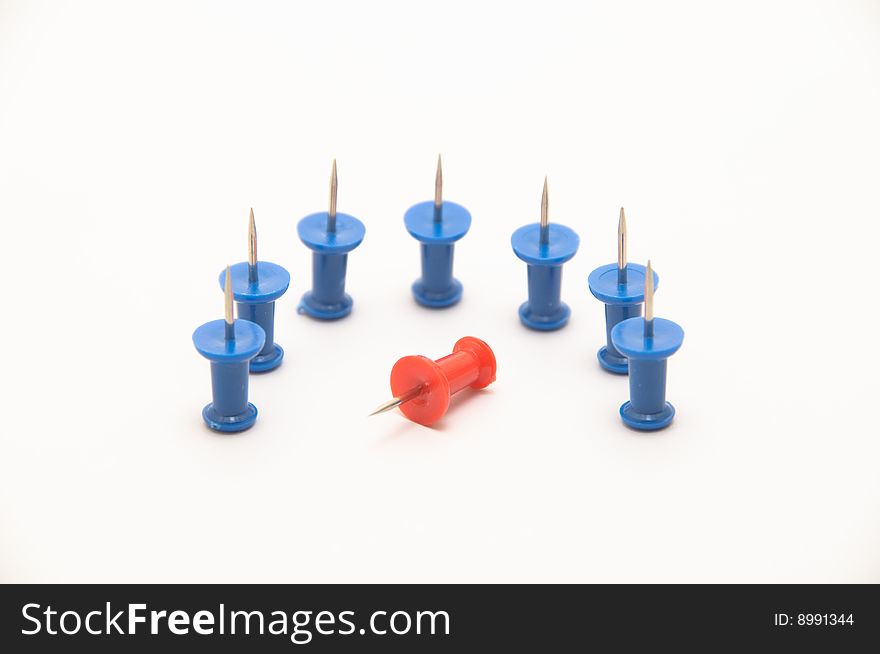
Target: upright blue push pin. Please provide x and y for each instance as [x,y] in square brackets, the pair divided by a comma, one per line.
[229,345]
[544,247]
[256,286]
[331,237]
[437,226]
[621,287]
[647,343]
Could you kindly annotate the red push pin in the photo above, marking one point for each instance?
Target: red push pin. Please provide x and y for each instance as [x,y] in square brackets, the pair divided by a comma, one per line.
[422,387]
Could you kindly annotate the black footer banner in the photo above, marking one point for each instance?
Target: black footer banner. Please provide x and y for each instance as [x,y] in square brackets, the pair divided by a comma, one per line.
[435,618]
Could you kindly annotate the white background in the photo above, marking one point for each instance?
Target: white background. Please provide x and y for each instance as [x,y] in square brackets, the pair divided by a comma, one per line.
[742,138]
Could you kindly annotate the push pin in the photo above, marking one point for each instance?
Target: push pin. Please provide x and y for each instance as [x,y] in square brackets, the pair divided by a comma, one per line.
[621,287]
[647,343]
[422,388]
[330,236]
[256,285]
[544,247]
[437,226]
[229,345]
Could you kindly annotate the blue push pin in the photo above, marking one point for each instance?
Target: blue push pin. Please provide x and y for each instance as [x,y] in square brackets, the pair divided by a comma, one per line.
[256,286]
[647,343]
[331,237]
[437,226]
[621,287]
[544,247]
[229,345]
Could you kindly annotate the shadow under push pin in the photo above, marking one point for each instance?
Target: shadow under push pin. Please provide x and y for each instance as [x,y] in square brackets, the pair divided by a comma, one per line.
[621,287]
[256,285]
[229,345]
[647,343]
[437,226]
[544,247]
[422,387]
[330,236]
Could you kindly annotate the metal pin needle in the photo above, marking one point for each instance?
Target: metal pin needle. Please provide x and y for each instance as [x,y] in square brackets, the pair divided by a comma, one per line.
[649,301]
[331,215]
[252,249]
[394,402]
[545,216]
[621,248]
[438,191]
[228,314]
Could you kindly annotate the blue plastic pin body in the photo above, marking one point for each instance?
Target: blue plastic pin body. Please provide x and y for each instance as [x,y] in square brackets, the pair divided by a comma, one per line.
[647,409]
[230,410]
[623,300]
[544,309]
[256,303]
[437,229]
[328,300]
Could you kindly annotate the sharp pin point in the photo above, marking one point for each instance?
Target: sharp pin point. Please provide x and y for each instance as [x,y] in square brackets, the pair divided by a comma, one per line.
[438,190]
[649,300]
[229,316]
[395,402]
[545,215]
[621,248]
[331,215]
[252,248]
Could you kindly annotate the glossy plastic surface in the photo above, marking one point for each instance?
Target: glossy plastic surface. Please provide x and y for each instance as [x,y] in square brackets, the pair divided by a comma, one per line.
[563,244]
[256,303]
[544,310]
[272,354]
[437,288]
[629,338]
[313,233]
[647,409]
[328,300]
[272,282]
[454,223]
[471,364]
[230,410]
[622,301]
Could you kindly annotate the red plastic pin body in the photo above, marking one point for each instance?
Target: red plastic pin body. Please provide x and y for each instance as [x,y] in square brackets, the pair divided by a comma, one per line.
[433,383]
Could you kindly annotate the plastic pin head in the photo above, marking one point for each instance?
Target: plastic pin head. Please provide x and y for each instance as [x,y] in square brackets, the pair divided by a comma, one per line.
[331,215]
[252,249]
[228,312]
[545,216]
[649,301]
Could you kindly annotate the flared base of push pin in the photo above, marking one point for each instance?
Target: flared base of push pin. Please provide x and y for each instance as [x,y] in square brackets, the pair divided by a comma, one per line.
[229,424]
[611,363]
[646,421]
[267,362]
[545,323]
[311,307]
[434,300]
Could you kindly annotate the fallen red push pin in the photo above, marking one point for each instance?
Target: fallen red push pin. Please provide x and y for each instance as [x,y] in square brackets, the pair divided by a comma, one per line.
[422,387]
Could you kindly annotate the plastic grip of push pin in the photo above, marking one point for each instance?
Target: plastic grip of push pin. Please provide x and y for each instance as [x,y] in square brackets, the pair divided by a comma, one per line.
[544,310]
[256,303]
[437,287]
[622,301]
[328,300]
[230,410]
[647,408]
[471,365]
